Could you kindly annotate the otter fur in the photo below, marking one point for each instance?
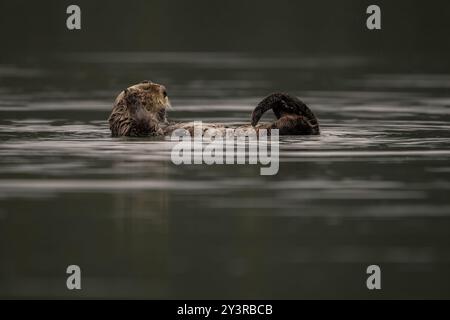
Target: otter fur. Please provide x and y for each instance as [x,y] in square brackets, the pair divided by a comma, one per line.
[140,110]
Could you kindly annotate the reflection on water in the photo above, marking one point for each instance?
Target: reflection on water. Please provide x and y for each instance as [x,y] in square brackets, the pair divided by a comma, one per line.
[371,189]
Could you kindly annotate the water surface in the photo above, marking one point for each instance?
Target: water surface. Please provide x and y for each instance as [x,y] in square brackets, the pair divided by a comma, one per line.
[371,189]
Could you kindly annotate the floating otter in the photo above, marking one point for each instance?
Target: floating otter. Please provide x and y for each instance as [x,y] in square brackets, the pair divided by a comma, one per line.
[140,110]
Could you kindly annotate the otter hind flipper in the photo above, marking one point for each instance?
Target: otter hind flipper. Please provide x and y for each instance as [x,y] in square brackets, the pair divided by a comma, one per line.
[293,116]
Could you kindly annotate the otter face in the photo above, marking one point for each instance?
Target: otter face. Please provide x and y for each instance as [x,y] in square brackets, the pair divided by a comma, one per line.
[151,96]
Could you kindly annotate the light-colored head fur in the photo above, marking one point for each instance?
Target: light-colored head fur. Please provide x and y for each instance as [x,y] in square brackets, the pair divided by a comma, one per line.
[152,96]
[139,110]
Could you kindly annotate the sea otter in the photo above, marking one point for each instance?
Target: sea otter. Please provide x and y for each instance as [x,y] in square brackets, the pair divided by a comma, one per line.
[140,110]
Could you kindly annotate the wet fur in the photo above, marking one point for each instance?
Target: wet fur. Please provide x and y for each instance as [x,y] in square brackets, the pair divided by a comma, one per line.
[140,110]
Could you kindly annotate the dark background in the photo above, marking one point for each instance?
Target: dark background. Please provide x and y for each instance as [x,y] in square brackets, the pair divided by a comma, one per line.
[319,26]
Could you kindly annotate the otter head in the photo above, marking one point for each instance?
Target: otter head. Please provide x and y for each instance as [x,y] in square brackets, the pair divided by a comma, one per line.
[151,96]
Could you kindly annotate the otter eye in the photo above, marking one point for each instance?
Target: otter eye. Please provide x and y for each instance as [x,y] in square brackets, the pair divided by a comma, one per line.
[165,93]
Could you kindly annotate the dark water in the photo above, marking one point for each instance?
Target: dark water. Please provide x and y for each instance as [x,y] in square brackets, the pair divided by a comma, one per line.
[373,188]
